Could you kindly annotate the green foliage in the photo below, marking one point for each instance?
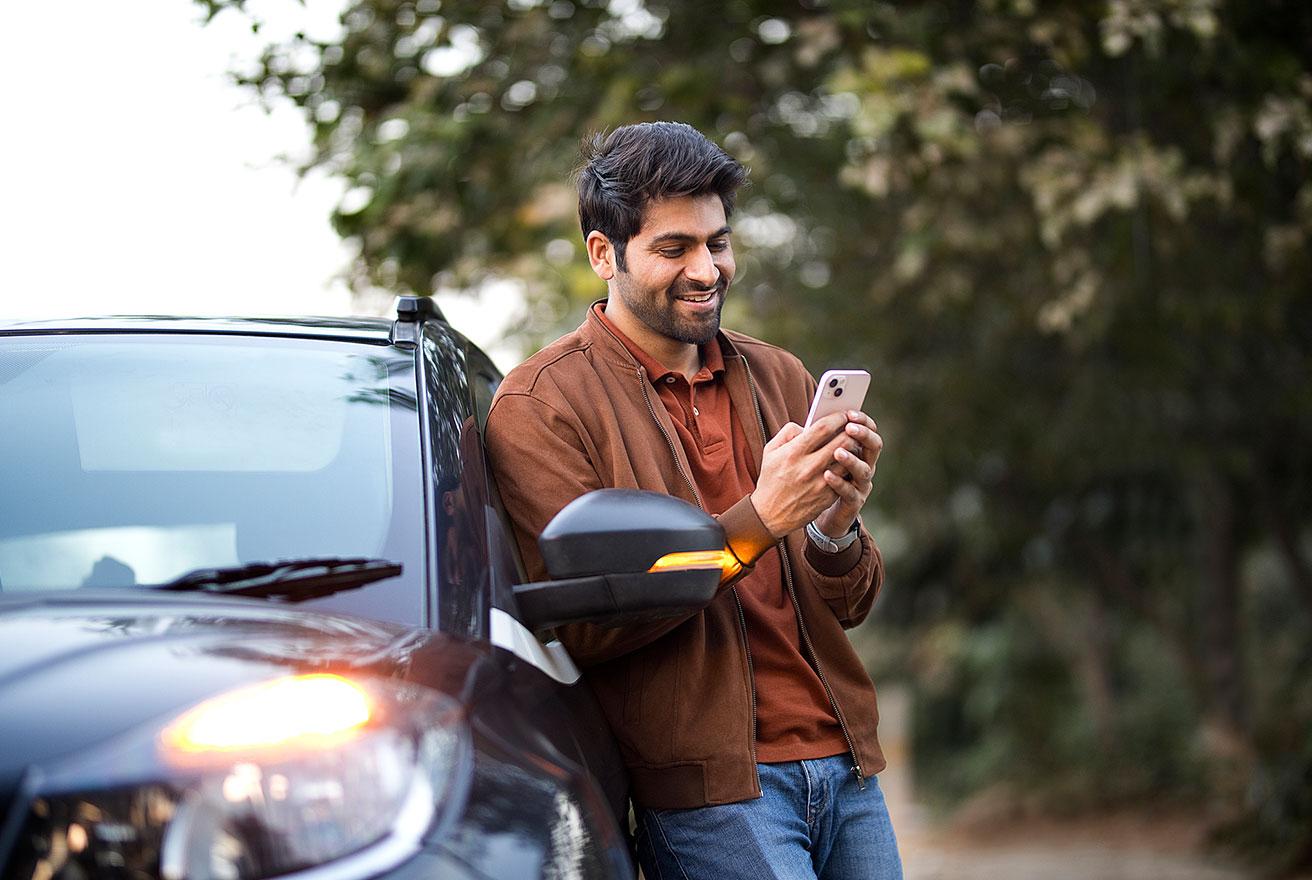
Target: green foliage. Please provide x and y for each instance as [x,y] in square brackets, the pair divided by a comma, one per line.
[1009,706]
[1071,241]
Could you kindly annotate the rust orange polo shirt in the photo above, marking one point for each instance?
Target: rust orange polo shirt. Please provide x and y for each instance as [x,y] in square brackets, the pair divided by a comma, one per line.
[794,718]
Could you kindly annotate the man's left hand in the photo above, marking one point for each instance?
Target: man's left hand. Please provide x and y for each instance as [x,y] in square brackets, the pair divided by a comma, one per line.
[851,477]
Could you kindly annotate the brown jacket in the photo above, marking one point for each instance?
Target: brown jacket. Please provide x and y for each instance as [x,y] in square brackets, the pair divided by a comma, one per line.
[678,693]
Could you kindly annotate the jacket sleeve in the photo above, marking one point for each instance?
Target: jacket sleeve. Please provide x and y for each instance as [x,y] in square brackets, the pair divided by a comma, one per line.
[848,581]
[541,463]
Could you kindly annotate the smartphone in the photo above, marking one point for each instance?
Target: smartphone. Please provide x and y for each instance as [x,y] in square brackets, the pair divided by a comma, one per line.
[838,390]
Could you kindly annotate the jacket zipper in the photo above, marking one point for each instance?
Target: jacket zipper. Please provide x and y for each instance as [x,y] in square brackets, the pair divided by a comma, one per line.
[797,610]
[738,604]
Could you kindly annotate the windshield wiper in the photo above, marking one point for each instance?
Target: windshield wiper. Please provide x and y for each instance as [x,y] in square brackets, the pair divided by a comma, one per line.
[294,580]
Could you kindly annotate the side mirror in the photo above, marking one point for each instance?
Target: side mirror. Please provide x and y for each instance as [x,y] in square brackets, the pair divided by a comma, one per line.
[620,556]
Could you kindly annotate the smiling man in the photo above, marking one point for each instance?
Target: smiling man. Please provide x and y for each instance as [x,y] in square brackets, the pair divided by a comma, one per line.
[748,727]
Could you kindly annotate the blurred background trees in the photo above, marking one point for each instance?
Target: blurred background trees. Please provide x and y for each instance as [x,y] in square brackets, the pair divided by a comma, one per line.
[1071,242]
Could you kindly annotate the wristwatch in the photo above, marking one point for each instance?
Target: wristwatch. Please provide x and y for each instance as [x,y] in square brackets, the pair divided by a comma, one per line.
[833,545]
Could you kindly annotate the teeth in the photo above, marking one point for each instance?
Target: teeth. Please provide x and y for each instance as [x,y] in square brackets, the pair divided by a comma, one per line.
[697,299]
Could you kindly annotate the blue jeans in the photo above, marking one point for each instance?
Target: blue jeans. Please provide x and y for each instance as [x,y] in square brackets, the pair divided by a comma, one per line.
[812,821]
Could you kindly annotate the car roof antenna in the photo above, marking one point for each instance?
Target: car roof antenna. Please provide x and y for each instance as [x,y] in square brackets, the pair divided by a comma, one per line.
[411,312]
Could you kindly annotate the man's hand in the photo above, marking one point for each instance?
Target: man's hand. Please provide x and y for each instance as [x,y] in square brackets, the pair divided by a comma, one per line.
[852,481]
[797,483]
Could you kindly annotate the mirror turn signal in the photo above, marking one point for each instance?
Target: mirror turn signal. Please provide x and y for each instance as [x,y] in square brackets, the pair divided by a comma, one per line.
[722,560]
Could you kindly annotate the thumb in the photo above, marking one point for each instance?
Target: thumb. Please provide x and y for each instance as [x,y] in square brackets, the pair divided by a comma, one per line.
[788,432]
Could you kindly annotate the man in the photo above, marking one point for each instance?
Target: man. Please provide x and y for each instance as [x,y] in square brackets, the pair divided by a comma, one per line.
[749,727]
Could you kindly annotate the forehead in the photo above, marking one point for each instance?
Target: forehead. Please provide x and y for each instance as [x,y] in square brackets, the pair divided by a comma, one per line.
[699,216]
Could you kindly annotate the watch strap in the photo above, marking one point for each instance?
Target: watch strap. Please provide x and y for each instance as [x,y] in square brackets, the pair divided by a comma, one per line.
[832,545]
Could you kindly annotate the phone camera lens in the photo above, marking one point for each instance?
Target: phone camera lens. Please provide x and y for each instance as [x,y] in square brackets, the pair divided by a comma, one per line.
[833,383]
[838,392]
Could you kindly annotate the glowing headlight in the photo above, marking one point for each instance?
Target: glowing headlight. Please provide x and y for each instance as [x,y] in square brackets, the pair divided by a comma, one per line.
[303,712]
[267,780]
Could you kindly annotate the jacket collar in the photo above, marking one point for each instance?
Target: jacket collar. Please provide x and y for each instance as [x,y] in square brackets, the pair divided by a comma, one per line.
[736,376]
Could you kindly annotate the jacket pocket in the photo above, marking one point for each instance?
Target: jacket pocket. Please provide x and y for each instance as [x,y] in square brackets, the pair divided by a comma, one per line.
[679,786]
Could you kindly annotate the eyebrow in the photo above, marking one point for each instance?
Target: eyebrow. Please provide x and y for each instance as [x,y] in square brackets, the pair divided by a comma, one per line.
[685,237]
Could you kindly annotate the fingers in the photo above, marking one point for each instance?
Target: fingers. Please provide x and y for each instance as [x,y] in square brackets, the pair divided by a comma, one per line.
[860,470]
[822,431]
[855,416]
[788,432]
[870,443]
[858,454]
[853,494]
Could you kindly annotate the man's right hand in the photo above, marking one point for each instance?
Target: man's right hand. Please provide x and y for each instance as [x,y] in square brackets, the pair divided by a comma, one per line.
[791,490]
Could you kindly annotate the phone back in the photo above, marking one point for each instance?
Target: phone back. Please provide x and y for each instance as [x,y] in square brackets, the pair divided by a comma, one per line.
[839,390]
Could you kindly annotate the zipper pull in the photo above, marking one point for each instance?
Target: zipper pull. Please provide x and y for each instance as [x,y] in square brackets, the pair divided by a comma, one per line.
[860,777]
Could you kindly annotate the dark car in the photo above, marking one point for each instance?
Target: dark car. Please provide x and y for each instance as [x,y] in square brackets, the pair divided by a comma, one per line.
[261,613]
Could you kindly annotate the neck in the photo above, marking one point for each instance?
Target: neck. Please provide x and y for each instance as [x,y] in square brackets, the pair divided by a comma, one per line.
[682,357]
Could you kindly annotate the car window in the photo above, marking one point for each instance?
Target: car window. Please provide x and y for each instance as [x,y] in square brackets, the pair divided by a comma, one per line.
[131,459]
[506,569]
[484,378]
[458,484]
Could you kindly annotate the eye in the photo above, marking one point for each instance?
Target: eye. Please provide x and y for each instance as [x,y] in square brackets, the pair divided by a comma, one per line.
[671,253]
[718,244]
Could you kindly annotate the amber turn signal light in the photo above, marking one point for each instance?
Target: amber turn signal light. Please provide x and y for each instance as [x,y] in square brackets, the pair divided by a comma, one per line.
[721,560]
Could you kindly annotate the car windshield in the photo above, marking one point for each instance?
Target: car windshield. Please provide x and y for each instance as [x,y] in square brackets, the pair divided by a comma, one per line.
[128,460]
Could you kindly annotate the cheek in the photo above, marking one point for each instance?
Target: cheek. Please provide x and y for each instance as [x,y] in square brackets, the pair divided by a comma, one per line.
[724,262]
[658,277]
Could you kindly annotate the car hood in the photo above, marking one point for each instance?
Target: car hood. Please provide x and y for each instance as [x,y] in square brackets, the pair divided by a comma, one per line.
[79,668]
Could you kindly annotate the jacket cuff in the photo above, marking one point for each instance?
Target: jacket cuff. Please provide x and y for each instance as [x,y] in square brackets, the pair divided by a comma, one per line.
[834,564]
[744,533]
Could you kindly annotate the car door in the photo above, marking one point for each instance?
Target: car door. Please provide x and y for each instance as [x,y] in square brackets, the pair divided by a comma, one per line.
[535,705]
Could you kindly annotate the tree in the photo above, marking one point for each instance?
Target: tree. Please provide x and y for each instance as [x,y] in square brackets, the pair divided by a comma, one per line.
[1071,240]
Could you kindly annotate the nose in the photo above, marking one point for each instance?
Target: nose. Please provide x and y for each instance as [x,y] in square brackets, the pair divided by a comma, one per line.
[701,268]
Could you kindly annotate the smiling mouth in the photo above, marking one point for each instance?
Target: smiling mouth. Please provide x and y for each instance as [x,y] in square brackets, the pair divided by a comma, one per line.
[698,298]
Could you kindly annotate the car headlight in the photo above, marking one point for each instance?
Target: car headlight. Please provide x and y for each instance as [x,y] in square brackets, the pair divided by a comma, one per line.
[259,782]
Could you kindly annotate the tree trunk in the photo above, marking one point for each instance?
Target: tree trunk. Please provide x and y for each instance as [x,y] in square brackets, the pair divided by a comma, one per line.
[1095,671]
[1287,535]
[1221,648]
[1120,586]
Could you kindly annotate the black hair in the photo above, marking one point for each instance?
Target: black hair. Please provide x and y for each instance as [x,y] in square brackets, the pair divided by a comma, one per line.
[624,170]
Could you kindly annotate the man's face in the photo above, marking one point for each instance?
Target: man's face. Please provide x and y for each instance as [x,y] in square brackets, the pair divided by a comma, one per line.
[679,267]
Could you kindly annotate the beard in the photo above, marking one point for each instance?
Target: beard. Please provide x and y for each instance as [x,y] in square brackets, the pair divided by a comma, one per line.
[660,311]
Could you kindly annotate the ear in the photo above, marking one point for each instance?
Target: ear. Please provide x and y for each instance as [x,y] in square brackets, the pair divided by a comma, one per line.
[601,255]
